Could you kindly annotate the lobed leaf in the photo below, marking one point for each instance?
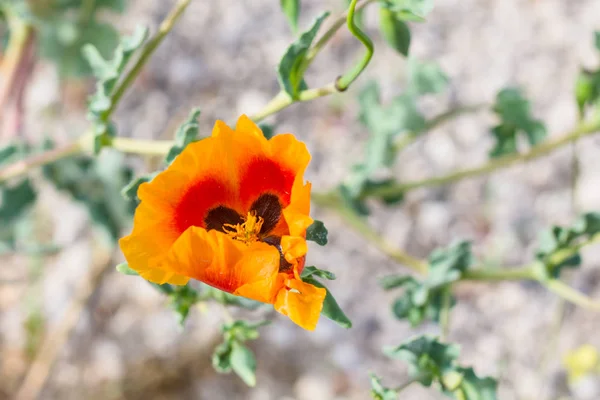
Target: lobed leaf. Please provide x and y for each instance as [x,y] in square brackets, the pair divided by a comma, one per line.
[186,134]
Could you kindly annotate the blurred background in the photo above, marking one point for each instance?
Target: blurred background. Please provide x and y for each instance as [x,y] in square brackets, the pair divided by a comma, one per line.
[221,57]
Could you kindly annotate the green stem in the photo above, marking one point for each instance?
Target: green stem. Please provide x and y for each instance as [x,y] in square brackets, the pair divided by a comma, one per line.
[501,274]
[140,146]
[346,80]
[572,295]
[312,53]
[283,100]
[359,225]
[496,164]
[21,167]
[148,50]
[445,313]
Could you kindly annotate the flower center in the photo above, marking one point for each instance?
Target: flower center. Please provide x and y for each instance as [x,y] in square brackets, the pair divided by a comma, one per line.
[248,231]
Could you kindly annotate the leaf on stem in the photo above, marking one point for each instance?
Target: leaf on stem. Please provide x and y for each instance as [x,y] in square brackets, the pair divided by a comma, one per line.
[291,9]
[515,118]
[331,308]
[293,63]
[317,233]
[186,133]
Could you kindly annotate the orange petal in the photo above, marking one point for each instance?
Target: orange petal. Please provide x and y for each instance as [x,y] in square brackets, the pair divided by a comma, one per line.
[302,304]
[246,126]
[290,153]
[293,247]
[217,260]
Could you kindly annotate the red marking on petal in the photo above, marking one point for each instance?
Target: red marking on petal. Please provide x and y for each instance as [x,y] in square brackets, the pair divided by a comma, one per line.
[199,198]
[263,175]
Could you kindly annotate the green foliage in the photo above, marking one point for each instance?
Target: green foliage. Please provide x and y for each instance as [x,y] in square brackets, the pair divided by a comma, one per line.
[424,300]
[108,73]
[386,123]
[291,9]
[268,130]
[186,134]
[293,63]
[410,10]
[125,269]
[317,233]
[16,198]
[380,392]
[394,30]
[96,183]
[182,299]
[331,308]
[587,85]
[431,361]
[233,355]
[130,190]
[556,245]
[515,117]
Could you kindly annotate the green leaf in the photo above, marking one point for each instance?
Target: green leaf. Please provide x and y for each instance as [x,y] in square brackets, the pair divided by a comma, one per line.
[125,269]
[331,308]
[268,130]
[394,281]
[62,40]
[474,387]
[130,190]
[317,233]
[515,116]
[379,392]
[108,73]
[447,265]
[243,363]
[242,331]
[182,299]
[221,358]
[291,9]
[395,31]
[556,242]
[428,359]
[389,200]
[186,134]
[292,65]
[426,78]
[411,10]
[314,271]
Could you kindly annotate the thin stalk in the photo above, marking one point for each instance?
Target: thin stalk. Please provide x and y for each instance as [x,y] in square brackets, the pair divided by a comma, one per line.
[165,27]
[525,273]
[492,166]
[346,80]
[141,146]
[568,293]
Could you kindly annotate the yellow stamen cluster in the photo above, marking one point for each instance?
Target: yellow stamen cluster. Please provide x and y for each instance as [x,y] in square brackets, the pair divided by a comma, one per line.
[247,232]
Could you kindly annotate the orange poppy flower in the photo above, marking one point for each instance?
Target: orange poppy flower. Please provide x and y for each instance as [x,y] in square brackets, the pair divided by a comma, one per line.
[231,211]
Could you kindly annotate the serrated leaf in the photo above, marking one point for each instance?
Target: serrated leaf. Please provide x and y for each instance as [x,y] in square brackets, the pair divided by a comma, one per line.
[290,71]
[447,265]
[243,363]
[379,392]
[317,233]
[291,9]
[557,241]
[125,269]
[331,308]
[428,359]
[475,388]
[186,134]
[108,73]
[314,271]
[515,116]
[395,31]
